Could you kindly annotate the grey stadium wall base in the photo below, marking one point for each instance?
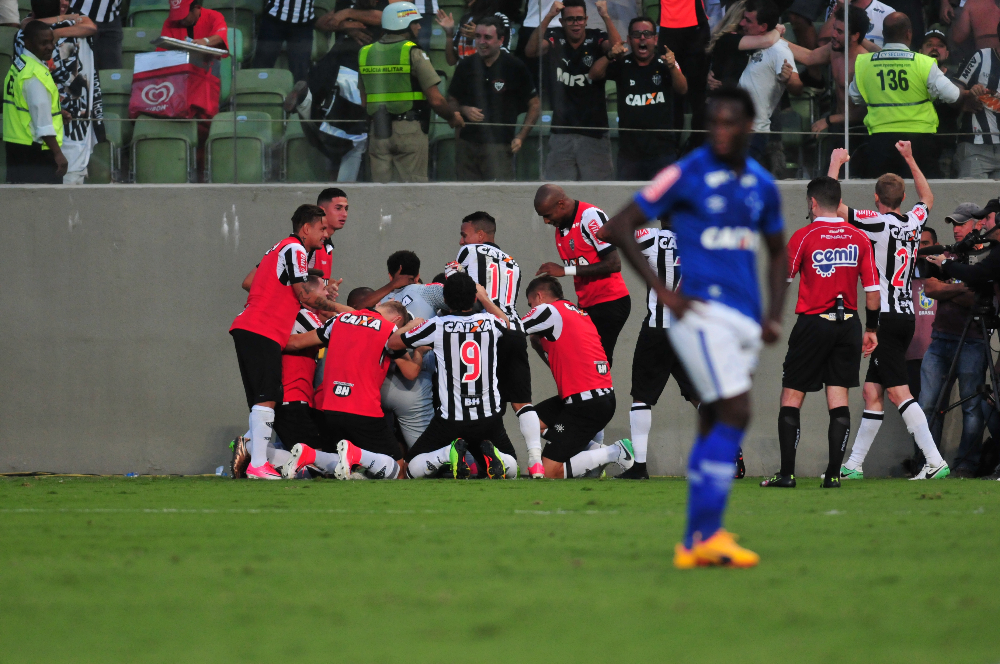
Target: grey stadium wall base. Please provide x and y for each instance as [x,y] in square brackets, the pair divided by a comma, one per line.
[116,302]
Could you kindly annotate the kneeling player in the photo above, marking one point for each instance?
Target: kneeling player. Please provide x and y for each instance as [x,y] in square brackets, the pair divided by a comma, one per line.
[586,402]
[469,415]
[352,394]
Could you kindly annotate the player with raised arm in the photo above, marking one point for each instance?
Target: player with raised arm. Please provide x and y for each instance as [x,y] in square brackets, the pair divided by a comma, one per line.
[721,202]
[262,329]
[498,272]
[470,406]
[826,344]
[895,237]
[569,344]
[654,360]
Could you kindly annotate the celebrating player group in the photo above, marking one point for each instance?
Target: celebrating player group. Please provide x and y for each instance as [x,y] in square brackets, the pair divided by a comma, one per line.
[411,380]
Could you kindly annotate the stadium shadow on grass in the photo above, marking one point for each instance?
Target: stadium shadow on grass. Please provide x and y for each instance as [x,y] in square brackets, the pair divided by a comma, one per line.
[211,570]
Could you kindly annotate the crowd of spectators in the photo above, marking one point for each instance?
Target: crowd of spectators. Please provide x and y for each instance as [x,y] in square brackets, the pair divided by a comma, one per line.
[619,105]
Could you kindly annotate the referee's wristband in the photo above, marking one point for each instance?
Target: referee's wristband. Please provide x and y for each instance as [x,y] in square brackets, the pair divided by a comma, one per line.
[570,271]
[871,319]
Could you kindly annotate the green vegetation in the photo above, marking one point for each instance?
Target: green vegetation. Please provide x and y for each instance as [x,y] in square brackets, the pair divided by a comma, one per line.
[180,570]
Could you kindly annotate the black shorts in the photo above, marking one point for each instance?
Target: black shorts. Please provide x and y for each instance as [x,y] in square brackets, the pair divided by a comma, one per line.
[571,426]
[441,432]
[822,352]
[888,361]
[298,423]
[260,366]
[368,433]
[609,318]
[513,370]
[653,364]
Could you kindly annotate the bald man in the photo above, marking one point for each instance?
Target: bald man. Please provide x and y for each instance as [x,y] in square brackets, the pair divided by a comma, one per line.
[594,265]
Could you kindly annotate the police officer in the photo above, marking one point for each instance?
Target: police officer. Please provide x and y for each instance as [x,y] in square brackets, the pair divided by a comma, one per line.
[32,116]
[399,87]
[899,88]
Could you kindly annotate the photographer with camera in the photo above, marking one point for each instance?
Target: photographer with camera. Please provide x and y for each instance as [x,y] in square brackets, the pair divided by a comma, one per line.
[961,287]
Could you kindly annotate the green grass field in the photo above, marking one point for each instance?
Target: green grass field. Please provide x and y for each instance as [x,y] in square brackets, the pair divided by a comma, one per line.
[212,570]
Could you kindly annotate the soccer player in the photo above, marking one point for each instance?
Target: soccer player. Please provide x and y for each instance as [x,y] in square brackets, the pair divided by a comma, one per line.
[654,360]
[352,394]
[826,344]
[262,329]
[895,238]
[469,410]
[498,272]
[720,202]
[594,264]
[586,401]
[421,300]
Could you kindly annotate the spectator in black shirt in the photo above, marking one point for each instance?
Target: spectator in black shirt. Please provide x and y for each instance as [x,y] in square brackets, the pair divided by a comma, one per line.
[579,148]
[646,87]
[491,86]
[730,49]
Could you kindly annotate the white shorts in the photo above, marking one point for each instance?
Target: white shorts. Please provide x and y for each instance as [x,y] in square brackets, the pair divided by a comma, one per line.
[719,347]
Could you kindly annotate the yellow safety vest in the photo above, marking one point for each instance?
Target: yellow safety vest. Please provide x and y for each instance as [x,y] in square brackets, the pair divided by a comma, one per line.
[894,85]
[385,71]
[16,117]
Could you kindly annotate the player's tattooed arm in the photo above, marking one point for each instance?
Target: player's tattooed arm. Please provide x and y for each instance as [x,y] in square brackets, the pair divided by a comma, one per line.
[396,340]
[777,281]
[312,293]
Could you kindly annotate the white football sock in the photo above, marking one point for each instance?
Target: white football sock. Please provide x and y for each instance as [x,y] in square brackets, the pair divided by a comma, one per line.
[277,457]
[527,421]
[916,424]
[261,427]
[590,459]
[427,464]
[640,418]
[326,461]
[510,463]
[871,420]
[379,466]
[599,438]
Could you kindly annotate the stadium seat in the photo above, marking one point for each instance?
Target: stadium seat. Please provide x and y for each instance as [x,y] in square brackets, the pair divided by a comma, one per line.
[438,38]
[442,151]
[163,151]
[253,148]
[116,89]
[302,161]
[322,43]
[23,8]
[790,122]
[235,37]
[149,14]
[7,34]
[651,8]
[137,40]
[527,162]
[105,160]
[264,90]
[441,63]
[611,95]
[242,14]
[455,7]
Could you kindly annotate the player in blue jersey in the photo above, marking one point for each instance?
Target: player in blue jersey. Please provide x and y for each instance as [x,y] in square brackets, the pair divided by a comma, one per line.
[720,203]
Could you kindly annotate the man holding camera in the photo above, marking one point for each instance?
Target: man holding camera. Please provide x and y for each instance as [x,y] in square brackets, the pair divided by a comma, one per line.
[956,300]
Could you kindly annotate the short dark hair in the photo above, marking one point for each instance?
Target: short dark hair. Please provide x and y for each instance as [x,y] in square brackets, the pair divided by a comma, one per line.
[574,3]
[481,221]
[928,229]
[355,295]
[503,31]
[826,191]
[895,28]
[857,20]
[547,282]
[306,214]
[439,278]
[329,194]
[45,8]
[641,19]
[768,13]
[35,28]
[459,292]
[404,260]
[731,93]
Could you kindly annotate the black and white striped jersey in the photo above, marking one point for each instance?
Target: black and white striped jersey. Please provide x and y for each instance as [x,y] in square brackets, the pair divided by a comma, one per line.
[466,350]
[895,239]
[983,68]
[660,249]
[498,273]
[99,11]
[290,11]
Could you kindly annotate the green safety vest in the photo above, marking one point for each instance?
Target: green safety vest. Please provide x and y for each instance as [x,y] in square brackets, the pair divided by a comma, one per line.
[385,71]
[894,85]
[16,117]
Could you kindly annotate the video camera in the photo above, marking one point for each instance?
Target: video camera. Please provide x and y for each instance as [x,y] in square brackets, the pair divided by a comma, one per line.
[966,249]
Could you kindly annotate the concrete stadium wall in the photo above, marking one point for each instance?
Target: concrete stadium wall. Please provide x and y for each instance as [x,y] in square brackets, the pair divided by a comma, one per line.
[116,301]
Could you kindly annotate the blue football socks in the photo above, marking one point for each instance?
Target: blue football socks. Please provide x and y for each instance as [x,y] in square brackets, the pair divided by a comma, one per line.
[711,468]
